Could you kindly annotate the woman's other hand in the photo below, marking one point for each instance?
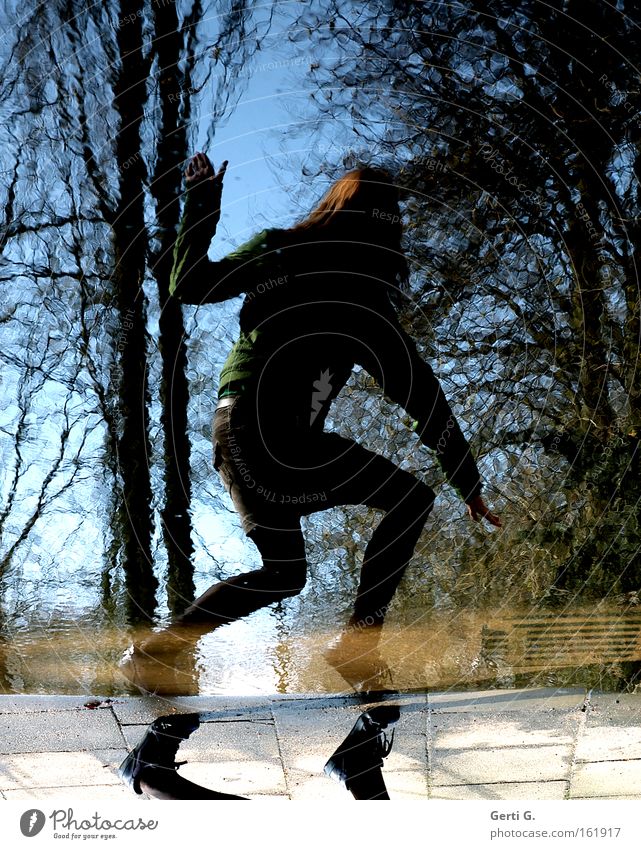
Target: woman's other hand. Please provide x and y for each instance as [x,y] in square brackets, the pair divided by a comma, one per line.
[477,510]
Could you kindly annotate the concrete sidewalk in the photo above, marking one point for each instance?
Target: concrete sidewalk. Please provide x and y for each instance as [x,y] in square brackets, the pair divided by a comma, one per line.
[497,744]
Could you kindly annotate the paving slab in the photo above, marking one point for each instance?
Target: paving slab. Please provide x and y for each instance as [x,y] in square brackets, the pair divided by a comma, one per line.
[618,703]
[60,769]
[511,747]
[502,730]
[78,793]
[515,791]
[45,704]
[523,744]
[146,709]
[308,739]
[220,740]
[234,757]
[242,778]
[601,742]
[532,764]
[484,701]
[405,784]
[606,779]
[59,731]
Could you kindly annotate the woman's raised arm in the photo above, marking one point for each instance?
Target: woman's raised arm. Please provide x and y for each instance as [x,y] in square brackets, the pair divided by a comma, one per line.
[195,279]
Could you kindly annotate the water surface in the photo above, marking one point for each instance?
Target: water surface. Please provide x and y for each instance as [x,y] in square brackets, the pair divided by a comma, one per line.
[272,651]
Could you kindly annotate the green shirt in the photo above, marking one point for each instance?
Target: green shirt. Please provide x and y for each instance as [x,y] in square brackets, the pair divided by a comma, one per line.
[251,269]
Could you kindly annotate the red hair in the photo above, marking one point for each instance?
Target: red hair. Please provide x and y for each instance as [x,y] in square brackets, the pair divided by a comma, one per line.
[354,205]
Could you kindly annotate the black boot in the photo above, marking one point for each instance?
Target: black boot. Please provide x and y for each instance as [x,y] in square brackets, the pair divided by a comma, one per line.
[158,748]
[358,760]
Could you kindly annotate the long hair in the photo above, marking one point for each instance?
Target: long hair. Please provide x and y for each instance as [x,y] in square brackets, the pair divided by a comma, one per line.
[361,205]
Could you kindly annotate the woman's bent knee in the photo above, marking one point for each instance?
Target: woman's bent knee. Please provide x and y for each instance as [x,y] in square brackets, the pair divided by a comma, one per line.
[417,502]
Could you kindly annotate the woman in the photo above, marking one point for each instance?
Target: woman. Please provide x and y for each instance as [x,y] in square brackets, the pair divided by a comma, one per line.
[319,299]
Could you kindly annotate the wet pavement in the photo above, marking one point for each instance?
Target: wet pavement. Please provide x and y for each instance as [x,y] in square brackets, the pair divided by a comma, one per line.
[495,744]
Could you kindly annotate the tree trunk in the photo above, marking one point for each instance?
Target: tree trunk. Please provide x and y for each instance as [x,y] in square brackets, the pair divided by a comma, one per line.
[174,389]
[133,518]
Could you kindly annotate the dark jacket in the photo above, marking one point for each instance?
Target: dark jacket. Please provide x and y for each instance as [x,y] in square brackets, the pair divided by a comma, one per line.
[312,311]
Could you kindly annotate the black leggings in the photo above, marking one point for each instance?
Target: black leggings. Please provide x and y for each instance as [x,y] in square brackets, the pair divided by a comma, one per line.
[167,784]
[351,475]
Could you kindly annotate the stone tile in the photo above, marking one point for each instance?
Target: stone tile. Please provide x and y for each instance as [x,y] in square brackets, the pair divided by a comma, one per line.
[220,739]
[317,730]
[517,791]
[322,700]
[77,793]
[250,707]
[619,703]
[242,778]
[307,740]
[60,769]
[607,779]
[410,703]
[145,710]
[313,703]
[353,700]
[310,787]
[502,748]
[342,714]
[44,704]
[233,740]
[405,783]
[66,731]
[233,757]
[519,763]
[502,730]
[613,742]
[540,699]
[307,786]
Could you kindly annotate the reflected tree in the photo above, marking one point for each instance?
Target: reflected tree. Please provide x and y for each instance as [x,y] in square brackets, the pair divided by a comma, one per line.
[99,105]
[513,130]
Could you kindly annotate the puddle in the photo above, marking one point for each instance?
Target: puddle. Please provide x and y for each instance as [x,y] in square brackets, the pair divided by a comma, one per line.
[591,646]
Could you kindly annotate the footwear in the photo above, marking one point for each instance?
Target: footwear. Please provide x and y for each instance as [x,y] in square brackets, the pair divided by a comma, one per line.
[356,658]
[159,675]
[158,748]
[365,746]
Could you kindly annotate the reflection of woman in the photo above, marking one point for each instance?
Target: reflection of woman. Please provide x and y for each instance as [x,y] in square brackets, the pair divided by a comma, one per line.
[318,301]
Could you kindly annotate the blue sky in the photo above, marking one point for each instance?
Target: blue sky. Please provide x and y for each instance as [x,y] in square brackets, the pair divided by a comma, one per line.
[264,141]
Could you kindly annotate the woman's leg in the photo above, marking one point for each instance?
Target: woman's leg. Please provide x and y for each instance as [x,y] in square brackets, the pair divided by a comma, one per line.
[370,785]
[354,475]
[390,550]
[167,784]
[165,660]
[282,575]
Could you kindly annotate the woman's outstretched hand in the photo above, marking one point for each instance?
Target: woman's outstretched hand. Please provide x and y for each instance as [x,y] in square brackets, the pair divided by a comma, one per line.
[477,509]
[199,169]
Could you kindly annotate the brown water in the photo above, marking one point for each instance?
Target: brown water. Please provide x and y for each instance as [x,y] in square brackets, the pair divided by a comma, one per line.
[592,646]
